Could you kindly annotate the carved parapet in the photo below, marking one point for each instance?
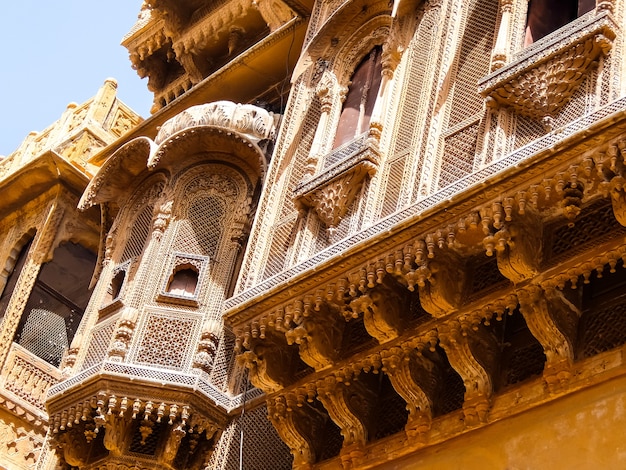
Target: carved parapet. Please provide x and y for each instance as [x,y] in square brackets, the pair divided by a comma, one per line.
[545,76]
[473,353]
[413,377]
[553,320]
[332,192]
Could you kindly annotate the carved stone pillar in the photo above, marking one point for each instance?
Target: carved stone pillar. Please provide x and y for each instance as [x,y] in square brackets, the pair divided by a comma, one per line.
[500,51]
[123,335]
[553,320]
[473,354]
[326,91]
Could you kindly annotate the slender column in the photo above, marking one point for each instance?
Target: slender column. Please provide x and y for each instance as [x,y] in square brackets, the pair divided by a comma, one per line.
[500,51]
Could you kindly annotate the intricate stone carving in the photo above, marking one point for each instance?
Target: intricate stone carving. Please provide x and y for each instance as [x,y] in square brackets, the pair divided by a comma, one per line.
[539,88]
[300,427]
[318,336]
[473,354]
[553,320]
[253,122]
[411,375]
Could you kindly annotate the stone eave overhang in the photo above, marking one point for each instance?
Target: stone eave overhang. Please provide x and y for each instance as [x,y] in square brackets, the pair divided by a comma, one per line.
[133,387]
[38,176]
[252,67]
[517,168]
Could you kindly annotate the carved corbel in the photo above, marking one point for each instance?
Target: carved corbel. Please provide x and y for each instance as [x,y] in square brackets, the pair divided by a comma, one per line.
[73,446]
[318,337]
[553,320]
[275,13]
[413,377]
[473,354]
[382,310]
[300,427]
[520,255]
[442,293]
[350,407]
[117,433]
[172,444]
[618,198]
[271,363]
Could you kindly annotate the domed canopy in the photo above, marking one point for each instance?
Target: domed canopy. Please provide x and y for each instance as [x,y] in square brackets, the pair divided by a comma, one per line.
[233,132]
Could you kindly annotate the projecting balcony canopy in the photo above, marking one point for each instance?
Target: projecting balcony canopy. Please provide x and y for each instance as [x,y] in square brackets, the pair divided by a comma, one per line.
[544,76]
[239,133]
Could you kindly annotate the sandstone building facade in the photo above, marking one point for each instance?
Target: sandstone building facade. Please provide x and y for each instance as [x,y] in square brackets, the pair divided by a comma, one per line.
[352,234]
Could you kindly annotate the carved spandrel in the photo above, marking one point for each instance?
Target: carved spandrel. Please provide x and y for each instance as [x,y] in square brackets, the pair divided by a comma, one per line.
[473,354]
[553,320]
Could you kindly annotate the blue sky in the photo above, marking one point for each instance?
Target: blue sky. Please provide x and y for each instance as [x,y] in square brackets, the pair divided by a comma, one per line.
[54,53]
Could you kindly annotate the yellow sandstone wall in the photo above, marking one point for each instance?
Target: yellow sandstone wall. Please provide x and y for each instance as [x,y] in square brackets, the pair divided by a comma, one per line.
[585,430]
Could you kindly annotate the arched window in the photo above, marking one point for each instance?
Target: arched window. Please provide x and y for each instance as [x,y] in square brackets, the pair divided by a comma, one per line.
[183,281]
[359,103]
[546,16]
[115,287]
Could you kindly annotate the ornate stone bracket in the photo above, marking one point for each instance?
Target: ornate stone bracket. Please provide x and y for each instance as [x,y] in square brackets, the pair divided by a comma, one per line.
[332,192]
[442,293]
[349,407]
[270,361]
[411,375]
[382,310]
[298,428]
[546,75]
[319,337]
[473,355]
[520,255]
[553,321]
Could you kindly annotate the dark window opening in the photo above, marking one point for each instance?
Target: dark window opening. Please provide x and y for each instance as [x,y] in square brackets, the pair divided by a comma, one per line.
[115,288]
[359,102]
[602,325]
[183,281]
[546,16]
[56,303]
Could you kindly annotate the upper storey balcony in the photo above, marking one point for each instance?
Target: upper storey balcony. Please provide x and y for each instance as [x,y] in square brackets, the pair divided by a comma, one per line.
[179,44]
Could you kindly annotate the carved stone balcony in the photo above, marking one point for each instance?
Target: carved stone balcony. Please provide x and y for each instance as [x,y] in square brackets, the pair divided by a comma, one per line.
[543,77]
[331,192]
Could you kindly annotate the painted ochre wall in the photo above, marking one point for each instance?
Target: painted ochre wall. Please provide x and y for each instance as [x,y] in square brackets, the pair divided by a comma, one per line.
[585,430]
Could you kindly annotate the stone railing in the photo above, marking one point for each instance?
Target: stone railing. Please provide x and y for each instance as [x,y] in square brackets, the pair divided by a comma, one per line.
[28,377]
